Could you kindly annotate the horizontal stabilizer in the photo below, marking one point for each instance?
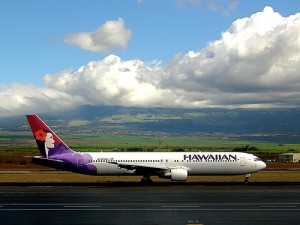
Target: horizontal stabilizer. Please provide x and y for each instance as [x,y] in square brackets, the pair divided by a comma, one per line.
[47,162]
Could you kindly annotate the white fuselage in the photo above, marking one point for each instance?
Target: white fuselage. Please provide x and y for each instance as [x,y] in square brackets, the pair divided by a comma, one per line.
[196,163]
[176,166]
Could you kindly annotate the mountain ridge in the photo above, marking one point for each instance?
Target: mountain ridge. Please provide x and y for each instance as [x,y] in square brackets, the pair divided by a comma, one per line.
[169,121]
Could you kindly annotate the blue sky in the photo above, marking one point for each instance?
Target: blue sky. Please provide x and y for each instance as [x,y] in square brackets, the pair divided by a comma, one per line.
[32,42]
[41,39]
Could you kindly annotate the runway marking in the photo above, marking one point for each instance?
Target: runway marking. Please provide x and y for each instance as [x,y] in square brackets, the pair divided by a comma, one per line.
[279,206]
[82,206]
[180,206]
[130,209]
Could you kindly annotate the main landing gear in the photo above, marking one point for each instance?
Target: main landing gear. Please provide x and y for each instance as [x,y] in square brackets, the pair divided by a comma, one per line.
[246,181]
[146,180]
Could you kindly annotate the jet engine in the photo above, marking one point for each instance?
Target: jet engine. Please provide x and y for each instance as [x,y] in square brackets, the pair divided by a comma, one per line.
[176,174]
[179,174]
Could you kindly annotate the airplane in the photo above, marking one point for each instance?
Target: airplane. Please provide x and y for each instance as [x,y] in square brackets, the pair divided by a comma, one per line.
[176,166]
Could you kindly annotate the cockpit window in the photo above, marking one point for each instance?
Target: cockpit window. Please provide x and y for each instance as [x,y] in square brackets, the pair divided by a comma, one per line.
[257,159]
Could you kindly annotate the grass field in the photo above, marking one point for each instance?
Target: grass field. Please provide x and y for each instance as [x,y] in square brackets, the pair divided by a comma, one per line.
[24,142]
[14,146]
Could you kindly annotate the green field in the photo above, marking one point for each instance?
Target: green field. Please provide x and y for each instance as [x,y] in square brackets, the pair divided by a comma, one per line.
[11,141]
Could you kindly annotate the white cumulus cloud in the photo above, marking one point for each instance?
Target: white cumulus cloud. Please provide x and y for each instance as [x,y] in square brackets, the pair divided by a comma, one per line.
[110,81]
[112,34]
[26,99]
[255,63]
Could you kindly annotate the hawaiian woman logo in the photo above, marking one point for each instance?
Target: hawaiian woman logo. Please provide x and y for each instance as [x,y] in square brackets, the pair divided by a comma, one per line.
[44,140]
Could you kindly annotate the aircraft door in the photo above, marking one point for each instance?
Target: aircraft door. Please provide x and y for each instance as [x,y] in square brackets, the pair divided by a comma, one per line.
[162,161]
[242,161]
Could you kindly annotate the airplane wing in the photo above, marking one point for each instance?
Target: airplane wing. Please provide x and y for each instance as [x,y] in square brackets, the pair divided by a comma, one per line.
[175,173]
[142,168]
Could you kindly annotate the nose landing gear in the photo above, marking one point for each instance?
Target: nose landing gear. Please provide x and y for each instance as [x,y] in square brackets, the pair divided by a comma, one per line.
[247,176]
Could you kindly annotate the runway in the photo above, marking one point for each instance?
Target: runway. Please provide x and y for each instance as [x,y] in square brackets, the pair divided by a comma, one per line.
[150,205]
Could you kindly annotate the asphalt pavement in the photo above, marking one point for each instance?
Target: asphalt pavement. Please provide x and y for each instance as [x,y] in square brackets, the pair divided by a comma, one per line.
[163,204]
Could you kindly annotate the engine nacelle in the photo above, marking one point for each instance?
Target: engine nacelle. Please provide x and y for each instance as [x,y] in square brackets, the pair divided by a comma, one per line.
[176,174]
[179,174]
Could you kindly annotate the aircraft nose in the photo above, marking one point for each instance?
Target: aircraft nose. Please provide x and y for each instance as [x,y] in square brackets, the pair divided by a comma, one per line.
[262,165]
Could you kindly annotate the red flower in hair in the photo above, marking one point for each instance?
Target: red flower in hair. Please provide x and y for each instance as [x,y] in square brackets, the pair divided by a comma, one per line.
[40,135]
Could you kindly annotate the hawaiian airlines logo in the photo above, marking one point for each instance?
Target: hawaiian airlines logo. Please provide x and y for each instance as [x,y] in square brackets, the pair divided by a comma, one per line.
[74,160]
[210,157]
[40,135]
[44,140]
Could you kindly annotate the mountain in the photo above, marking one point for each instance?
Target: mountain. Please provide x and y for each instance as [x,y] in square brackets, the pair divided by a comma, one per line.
[250,123]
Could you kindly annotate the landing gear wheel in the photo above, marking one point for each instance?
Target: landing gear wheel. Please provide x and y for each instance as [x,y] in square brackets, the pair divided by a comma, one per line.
[146,180]
[246,181]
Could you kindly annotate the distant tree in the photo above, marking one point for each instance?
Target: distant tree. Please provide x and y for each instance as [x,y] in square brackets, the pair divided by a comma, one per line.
[237,149]
[134,150]
[177,150]
[245,149]
[253,149]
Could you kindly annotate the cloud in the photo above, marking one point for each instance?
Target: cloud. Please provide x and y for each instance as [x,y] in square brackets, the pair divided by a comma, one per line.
[108,81]
[112,34]
[254,64]
[26,99]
